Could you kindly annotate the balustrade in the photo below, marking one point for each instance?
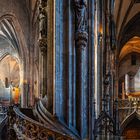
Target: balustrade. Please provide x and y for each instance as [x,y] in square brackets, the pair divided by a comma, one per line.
[127,106]
[27,128]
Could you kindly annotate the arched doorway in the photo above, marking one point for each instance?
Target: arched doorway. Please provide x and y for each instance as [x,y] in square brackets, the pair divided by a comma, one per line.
[129,69]
[15,47]
[9,78]
[129,79]
[132,129]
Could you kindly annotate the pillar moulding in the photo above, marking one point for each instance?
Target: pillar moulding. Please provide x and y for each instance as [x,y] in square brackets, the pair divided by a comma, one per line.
[81,41]
[43,46]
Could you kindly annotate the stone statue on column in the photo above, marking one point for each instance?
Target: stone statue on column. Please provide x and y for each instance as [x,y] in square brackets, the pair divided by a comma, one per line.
[43,45]
[81,17]
[81,23]
[43,20]
[107,82]
[81,40]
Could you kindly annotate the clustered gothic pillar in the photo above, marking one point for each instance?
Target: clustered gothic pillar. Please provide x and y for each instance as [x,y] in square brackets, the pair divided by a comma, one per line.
[81,39]
[108,53]
[43,22]
[43,48]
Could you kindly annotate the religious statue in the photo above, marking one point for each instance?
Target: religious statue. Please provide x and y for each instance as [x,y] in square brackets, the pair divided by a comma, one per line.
[81,17]
[107,83]
[43,20]
[107,79]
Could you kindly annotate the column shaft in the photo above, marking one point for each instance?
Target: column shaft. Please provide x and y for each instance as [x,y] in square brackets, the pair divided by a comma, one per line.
[81,39]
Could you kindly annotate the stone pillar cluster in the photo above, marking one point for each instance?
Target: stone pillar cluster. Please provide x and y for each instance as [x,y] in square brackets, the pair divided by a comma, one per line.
[43,45]
[81,40]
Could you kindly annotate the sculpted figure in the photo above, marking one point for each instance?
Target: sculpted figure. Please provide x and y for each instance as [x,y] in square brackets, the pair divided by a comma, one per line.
[80,11]
[43,20]
[107,78]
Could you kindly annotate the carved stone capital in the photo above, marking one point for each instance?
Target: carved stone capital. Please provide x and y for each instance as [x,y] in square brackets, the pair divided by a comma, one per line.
[81,39]
[43,3]
[43,45]
[80,3]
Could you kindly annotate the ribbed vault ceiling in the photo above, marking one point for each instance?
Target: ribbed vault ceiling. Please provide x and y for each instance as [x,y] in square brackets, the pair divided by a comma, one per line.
[124,11]
[8,36]
[127,22]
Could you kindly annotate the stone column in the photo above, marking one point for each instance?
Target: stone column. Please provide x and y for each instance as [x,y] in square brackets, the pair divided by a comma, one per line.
[106,97]
[81,39]
[107,37]
[131,83]
[43,49]
[91,50]
[123,90]
[108,54]
[43,37]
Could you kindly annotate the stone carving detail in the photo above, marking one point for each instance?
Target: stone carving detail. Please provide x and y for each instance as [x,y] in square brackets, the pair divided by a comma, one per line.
[43,20]
[43,45]
[104,125]
[81,39]
[127,107]
[81,15]
[107,83]
[11,120]
[81,23]
[27,128]
[106,96]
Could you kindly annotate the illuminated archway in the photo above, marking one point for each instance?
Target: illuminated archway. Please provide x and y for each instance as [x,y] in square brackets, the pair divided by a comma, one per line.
[133,45]
[11,32]
[9,67]
[9,77]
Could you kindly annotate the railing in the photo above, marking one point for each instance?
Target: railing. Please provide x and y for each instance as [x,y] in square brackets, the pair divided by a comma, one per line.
[3,121]
[109,137]
[127,106]
[27,128]
[47,118]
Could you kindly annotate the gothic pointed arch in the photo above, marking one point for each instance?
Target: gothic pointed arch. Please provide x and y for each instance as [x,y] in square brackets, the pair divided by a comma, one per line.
[104,124]
[12,33]
[128,119]
[129,31]
[131,46]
